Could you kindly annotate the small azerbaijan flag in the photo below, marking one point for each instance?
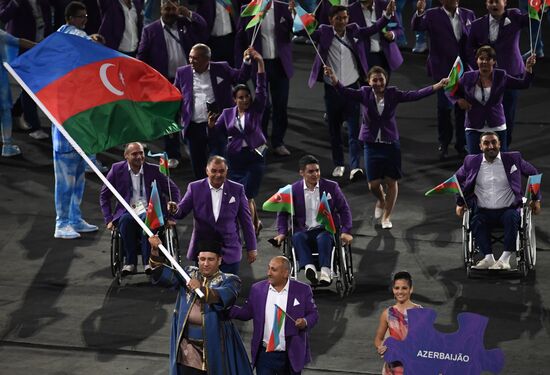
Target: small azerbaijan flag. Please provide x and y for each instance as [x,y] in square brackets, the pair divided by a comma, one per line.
[533,186]
[101,97]
[154,218]
[281,201]
[456,72]
[252,8]
[324,217]
[534,9]
[226,4]
[304,20]
[260,14]
[450,186]
[278,323]
[163,162]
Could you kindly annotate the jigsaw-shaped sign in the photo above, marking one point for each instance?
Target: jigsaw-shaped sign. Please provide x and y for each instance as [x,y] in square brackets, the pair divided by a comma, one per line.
[425,351]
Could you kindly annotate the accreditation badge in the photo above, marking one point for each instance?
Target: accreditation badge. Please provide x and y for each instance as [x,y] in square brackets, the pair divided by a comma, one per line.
[139,208]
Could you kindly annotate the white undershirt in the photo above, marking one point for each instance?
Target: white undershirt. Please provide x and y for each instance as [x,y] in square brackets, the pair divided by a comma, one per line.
[311,200]
[342,62]
[493,28]
[137,181]
[202,93]
[130,36]
[492,187]
[370,19]
[216,195]
[279,299]
[269,50]
[222,21]
[176,57]
[455,23]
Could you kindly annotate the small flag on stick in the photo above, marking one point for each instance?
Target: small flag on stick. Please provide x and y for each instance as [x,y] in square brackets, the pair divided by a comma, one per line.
[533,186]
[154,218]
[454,75]
[450,186]
[278,323]
[324,216]
[281,201]
[303,20]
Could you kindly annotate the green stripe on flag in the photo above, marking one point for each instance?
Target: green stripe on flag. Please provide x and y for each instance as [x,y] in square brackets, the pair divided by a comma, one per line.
[122,122]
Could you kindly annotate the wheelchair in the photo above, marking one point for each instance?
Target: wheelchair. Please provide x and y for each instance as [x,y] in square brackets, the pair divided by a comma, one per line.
[170,240]
[341,264]
[526,243]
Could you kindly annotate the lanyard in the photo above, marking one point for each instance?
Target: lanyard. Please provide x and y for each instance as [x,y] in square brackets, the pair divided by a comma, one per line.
[171,34]
[141,183]
[239,125]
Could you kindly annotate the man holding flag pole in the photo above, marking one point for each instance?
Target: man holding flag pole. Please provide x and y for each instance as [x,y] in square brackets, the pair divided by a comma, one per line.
[316,203]
[283,312]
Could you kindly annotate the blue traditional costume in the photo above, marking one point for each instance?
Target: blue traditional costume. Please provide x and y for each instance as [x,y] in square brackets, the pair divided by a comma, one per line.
[209,340]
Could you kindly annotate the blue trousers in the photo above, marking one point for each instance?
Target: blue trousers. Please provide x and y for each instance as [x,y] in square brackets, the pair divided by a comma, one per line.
[278,85]
[305,242]
[132,235]
[6,125]
[69,170]
[473,138]
[445,125]
[340,109]
[273,363]
[484,220]
[247,167]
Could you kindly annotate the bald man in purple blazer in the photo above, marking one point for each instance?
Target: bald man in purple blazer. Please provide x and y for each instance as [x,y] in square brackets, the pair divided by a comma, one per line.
[293,297]
[501,29]
[491,184]
[220,211]
[448,27]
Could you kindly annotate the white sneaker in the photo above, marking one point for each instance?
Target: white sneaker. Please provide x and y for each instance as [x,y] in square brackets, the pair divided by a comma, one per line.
[484,264]
[311,273]
[128,269]
[39,134]
[355,174]
[338,171]
[67,233]
[500,265]
[324,278]
[386,224]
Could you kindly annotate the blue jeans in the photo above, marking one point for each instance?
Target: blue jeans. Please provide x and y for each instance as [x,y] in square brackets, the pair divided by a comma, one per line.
[69,170]
[305,242]
[473,138]
[484,220]
[340,109]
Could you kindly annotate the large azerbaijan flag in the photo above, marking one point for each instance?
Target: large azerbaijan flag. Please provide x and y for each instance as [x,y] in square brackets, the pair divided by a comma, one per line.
[101,97]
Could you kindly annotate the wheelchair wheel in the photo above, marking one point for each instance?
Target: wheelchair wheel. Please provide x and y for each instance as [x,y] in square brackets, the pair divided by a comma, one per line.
[349,270]
[172,243]
[530,242]
[116,264]
[288,252]
[342,284]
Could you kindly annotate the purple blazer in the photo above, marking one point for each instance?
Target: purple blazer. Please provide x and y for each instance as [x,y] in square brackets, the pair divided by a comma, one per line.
[113,22]
[300,304]
[339,207]
[253,134]
[444,47]
[222,76]
[390,49]
[119,177]
[207,10]
[19,19]
[283,37]
[234,216]
[324,36]
[152,46]
[372,120]
[507,43]
[492,112]
[467,175]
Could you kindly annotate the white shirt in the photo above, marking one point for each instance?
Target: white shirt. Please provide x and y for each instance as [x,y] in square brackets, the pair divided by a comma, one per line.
[370,19]
[311,200]
[202,93]
[455,23]
[240,120]
[493,28]
[222,21]
[138,184]
[130,37]
[279,299]
[176,57]
[492,187]
[216,195]
[38,19]
[269,50]
[342,62]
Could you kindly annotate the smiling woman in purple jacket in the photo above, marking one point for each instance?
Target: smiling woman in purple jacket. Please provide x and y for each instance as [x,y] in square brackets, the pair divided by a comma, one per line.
[480,94]
[379,133]
[246,141]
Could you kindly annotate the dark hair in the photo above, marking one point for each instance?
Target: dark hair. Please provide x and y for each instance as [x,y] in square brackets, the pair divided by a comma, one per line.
[377,70]
[403,275]
[488,50]
[209,246]
[489,133]
[334,10]
[73,8]
[307,159]
[239,87]
[216,159]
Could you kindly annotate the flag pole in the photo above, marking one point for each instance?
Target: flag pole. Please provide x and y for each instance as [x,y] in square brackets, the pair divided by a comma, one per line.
[98,173]
[461,193]
[530,34]
[540,26]
[168,176]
